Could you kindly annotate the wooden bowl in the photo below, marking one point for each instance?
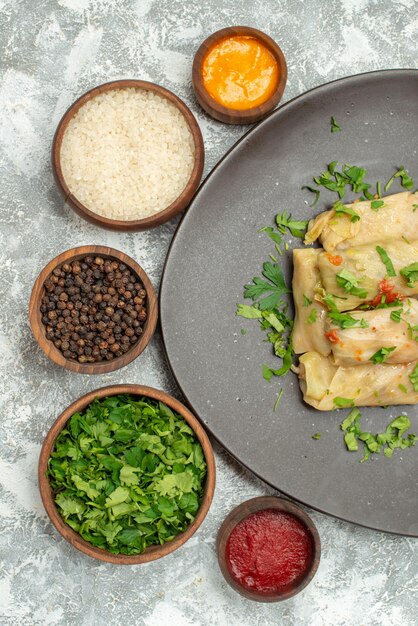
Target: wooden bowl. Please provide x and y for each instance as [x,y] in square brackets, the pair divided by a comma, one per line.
[258,504]
[166,214]
[39,330]
[152,552]
[227,114]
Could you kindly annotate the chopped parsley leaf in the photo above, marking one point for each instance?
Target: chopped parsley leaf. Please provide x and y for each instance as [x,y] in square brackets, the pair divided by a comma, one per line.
[387,441]
[406,180]
[349,282]
[306,301]
[381,355]
[376,204]
[296,227]
[312,190]
[335,127]
[414,378]
[316,436]
[395,316]
[410,273]
[386,261]
[313,316]
[340,209]
[342,403]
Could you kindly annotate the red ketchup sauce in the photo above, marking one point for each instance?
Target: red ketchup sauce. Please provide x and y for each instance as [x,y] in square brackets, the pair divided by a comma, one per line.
[269,551]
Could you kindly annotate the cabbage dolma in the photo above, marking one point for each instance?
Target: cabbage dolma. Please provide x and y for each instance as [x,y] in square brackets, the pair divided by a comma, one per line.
[397,217]
[395,330]
[309,328]
[368,272]
[326,386]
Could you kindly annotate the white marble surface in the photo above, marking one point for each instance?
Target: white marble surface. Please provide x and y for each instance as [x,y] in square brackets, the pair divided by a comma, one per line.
[51,52]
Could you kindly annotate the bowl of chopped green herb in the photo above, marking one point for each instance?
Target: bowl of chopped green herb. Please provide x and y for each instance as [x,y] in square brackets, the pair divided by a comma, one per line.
[126,474]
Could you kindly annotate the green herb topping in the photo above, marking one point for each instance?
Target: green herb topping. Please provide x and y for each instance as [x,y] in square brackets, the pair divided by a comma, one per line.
[306,301]
[296,227]
[410,273]
[414,378]
[376,204]
[406,180]
[271,311]
[342,403]
[381,355]
[349,282]
[313,316]
[127,473]
[386,261]
[335,128]
[340,209]
[389,440]
[316,436]
[395,316]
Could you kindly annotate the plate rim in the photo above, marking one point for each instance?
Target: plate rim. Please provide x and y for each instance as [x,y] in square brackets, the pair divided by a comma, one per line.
[276,112]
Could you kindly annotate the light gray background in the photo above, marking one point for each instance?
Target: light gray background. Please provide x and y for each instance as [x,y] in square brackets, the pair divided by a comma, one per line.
[51,52]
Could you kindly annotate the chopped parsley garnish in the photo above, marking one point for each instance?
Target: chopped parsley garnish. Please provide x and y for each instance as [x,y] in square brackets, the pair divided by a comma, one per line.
[335,128]
[127,473]
[306,301]
[340,209]
[414,207]
[272,233]
[271,312]
[376,204]
[344,320]
[316,436]
[342,403]
[414,378]
[381,355]
[386,261]
[406,180]
[296,227]
[395,316]
[387,441]
[276,404]
[402,388]
[349,282]
[410,273]
[274,286]
[313,316]
[312,190]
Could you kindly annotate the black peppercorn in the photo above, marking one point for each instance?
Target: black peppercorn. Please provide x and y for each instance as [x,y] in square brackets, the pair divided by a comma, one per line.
[93,309]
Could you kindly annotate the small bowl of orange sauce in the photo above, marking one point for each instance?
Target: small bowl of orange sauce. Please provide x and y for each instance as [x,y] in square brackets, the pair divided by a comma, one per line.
[239,75]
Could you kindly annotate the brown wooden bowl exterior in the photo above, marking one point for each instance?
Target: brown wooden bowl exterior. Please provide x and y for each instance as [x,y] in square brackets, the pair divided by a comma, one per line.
[166,214]
[153,552]
[39,330]
[226,114]
[259,504]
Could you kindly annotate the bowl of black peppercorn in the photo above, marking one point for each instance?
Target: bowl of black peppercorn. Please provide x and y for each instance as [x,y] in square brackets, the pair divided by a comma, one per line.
[93,309]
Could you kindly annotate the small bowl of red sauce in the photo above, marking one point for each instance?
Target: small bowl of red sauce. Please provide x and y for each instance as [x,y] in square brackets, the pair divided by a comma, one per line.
[239,75]
[268,549]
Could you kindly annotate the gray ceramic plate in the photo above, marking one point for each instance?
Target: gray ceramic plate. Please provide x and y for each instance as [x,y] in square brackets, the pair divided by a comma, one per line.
[217,249]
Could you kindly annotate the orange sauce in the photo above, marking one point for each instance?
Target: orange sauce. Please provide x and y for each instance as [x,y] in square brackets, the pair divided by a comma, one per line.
[240,72]
[335,260]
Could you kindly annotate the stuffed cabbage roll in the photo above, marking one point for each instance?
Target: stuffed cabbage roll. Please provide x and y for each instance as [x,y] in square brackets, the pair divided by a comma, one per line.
[388,336]
[326,386]
[309,323]
[366,265]
[397,217]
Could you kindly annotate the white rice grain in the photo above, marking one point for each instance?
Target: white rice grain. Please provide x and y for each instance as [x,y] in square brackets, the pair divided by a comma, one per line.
[127,154]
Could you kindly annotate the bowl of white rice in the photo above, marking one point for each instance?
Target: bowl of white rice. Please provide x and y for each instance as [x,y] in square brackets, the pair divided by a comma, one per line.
[128,155]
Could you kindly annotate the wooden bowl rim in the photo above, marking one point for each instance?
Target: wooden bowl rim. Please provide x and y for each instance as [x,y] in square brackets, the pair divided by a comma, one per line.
[245,509]
[227,114]
[152,552]
[38,328]
[161,216]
